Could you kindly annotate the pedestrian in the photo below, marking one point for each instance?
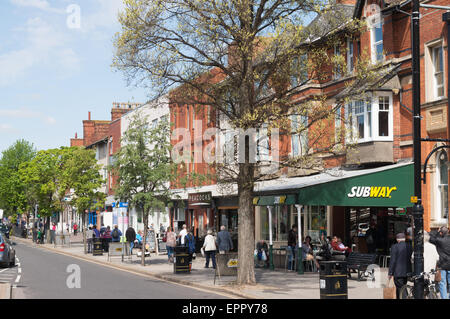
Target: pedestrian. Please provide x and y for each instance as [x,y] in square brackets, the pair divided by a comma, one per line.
[75,228]
[292,244]
[53,234]
[116,234]
[441,240]
[400,263]
[430,254]
[224,240]
[34,231]
[130,235]
[190,243]
[181,236]
[262,253]
[106,238]
[161,229]
[96,232]
[210,248]
[68,228]
[171,242]
[89,238]
[371,239]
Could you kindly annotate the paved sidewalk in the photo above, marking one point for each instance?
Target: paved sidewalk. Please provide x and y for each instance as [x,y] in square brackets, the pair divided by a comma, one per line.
[276,284]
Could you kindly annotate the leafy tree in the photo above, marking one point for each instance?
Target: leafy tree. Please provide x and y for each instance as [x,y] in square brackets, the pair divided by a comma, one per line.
[144,168]
[240,58]
[12,190]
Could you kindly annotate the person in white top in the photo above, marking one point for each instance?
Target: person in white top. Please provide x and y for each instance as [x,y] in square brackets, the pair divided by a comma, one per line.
[182,234]
[430,254]
[210,249]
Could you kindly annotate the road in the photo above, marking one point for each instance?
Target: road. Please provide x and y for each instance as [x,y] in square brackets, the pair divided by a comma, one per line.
[42,274]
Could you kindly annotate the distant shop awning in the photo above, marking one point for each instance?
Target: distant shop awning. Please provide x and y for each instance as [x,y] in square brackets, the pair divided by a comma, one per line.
[275,200]
[391,187]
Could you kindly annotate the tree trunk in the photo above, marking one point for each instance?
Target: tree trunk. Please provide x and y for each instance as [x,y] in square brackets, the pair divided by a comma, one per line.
[144,240]
[246,233]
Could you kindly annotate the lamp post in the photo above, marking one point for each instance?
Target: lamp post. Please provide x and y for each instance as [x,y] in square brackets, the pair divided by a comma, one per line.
[300,248]
[271,265]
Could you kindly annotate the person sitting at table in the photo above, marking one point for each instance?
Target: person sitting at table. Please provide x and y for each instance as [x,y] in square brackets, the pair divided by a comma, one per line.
[340,248]
[138,241]
[307,251]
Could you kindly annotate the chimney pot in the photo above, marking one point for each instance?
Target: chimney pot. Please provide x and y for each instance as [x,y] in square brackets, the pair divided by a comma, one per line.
[89,116]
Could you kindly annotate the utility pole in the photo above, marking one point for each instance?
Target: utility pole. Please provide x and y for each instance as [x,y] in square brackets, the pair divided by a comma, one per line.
[417,208]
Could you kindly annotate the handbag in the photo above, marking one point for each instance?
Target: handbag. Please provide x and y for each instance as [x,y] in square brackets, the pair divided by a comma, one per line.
[437,276]
[263,256]
[389,292]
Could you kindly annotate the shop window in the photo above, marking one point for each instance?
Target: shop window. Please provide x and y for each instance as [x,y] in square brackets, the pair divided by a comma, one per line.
[280,223]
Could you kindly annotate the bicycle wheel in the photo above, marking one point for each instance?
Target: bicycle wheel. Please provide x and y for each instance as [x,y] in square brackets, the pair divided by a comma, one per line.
[432,295]
[406,292]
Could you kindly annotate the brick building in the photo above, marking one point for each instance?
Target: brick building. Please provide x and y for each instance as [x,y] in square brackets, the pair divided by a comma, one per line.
[370,184]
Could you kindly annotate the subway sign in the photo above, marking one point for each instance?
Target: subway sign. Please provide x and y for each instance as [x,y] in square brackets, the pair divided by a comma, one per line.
[371,192]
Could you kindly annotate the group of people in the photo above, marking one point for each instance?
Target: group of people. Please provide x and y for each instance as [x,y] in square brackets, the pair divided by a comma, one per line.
[223,243]
[436,256]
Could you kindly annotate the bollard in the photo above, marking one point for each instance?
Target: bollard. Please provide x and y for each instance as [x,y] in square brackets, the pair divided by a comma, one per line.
[5,291]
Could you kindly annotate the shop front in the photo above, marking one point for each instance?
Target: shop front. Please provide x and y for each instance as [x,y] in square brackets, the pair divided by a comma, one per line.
[374,202]
[200,213]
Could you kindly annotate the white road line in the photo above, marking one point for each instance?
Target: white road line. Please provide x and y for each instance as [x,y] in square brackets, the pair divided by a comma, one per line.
[18,278]
[4,270]
[19,270]
[14,286]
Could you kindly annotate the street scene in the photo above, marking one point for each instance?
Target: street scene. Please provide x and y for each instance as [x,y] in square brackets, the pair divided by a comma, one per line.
[224,150]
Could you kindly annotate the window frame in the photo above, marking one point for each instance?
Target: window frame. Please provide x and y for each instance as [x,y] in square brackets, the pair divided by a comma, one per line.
[350,57]
[373,42]
[436,86]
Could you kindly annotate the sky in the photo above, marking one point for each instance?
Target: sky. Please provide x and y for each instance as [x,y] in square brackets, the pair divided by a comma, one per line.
[55,67]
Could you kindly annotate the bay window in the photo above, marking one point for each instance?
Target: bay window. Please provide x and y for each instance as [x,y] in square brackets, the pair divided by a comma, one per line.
[370,120]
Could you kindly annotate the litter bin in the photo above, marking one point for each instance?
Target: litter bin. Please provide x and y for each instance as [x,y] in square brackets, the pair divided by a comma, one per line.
[333,280]
[181,261]
[98,247]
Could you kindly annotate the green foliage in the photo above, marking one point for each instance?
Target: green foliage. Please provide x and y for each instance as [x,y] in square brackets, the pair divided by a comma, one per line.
[12,190]
[144,168]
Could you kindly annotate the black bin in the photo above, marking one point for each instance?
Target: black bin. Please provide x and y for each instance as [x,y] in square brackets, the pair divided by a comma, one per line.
[333,280]
[182,260]
[98,247]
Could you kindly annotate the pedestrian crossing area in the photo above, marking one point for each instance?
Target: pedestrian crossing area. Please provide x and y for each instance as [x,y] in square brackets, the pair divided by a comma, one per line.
[10,274]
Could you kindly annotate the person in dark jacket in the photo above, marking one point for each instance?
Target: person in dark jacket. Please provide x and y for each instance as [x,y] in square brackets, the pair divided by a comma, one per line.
[400,264]
[441,240]
[224,241]
[130,235]
[292,246]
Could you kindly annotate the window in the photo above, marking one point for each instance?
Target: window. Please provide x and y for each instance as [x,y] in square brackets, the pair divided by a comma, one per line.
[438,66]
[280,223]
[350,54]
[299,72]
[154,124]
[263,143]
[299,141]
[383,116]
[337,123]
[337,72]
[442,185]
[370,119]
[377,41]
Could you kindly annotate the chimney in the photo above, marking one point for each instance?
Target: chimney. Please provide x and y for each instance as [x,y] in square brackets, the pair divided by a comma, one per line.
[89,115]
[76,135]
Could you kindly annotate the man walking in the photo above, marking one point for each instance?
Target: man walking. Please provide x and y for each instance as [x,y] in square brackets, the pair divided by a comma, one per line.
[442,242]
[182,235]
[130,235]
[400,264]
[116,234]
[224,240]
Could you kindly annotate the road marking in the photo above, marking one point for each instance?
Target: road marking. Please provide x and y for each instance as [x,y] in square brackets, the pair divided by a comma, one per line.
[18,278]
[4,270]
[14,286]
[19,270]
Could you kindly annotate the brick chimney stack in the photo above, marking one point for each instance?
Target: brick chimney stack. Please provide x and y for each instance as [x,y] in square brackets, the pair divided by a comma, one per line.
[89,115]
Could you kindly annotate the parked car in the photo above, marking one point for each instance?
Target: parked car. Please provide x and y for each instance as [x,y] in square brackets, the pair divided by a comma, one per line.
[7,252]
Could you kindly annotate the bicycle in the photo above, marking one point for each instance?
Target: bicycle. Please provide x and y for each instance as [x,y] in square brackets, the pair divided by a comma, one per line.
[430,291]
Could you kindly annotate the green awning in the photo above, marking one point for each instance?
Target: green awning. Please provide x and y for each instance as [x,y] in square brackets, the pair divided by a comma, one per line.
[275,200]
[388,188]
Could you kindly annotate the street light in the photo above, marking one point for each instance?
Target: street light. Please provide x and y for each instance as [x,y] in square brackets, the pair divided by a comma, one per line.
[418,208]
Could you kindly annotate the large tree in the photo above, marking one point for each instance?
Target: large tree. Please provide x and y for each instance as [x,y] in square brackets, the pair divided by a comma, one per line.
[144,168]
[248,59]
[12,189]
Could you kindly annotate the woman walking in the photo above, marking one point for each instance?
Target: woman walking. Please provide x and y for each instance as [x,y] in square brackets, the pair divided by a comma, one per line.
[210,249]
[171,242]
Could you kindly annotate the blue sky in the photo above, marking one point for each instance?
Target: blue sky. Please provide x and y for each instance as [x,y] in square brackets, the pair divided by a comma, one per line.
[52,74]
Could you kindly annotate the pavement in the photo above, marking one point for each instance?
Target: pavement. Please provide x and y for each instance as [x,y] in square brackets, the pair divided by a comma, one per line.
[270,284]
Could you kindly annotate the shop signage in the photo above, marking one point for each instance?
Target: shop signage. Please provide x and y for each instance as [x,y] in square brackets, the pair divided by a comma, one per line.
[371,191]
[198,199]
[279,200]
